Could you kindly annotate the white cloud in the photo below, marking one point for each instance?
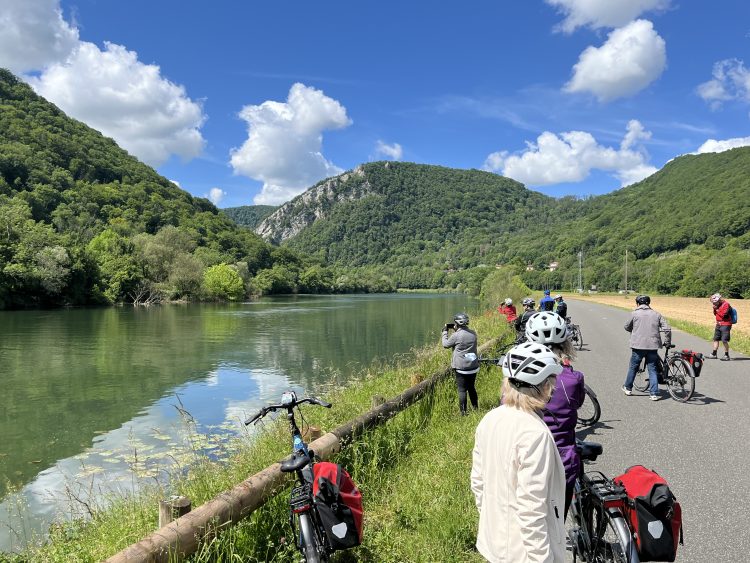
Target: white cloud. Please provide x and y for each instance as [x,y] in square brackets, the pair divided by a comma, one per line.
[284,144]
[731,81]
[109,90]
[394,151]
[216,195]
[713,145]
[113,92]
[571,156]
[632,57]
[33,34]
[598,13]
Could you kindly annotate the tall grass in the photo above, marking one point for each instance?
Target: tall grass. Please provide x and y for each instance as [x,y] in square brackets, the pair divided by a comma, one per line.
[413,472]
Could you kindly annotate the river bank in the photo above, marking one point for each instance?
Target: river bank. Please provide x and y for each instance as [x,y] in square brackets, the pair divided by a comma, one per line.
[413,473]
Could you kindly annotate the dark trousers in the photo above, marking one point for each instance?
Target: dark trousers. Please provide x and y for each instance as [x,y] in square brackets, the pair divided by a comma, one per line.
[569,488]
[465,384]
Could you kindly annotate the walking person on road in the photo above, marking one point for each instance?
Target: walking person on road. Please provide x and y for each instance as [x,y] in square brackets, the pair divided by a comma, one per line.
[722,332]
[465,360]
[645,327]
[561,413]
[546,303]
[517,477]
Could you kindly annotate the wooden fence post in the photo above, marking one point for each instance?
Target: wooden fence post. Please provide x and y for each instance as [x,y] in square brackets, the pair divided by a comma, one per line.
[173,507]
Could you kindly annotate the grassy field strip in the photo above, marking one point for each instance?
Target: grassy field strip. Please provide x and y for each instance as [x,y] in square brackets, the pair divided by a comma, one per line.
[691,314]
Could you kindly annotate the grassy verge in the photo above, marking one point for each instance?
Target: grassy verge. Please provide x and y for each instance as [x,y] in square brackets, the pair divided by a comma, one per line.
[413,472]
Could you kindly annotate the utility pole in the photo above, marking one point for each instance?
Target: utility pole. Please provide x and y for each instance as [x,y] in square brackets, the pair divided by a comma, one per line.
[626,271]
[580,265]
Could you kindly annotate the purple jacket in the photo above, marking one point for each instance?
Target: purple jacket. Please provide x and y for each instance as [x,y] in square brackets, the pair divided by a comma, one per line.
[561,416]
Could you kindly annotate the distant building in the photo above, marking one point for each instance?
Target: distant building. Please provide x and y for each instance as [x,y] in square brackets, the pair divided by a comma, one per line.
[553,266]
[529,268]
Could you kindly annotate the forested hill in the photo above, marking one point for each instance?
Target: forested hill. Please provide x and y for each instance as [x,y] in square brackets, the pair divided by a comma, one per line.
[405,214]
[84,222]
[249,216]
[685,227]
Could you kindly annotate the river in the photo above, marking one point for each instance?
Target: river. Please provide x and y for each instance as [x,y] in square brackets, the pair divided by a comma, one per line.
[96,401]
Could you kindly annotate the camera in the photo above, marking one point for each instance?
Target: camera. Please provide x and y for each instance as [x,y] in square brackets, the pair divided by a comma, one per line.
[450,326]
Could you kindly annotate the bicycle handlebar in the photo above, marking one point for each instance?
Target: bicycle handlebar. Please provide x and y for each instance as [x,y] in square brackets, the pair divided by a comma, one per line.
[294,403]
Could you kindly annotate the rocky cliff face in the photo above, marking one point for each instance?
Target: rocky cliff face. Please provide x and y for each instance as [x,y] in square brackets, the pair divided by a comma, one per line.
[316,203]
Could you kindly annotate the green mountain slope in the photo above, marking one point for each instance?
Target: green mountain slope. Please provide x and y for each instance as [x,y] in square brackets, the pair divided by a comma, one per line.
[685,228]
[84,222]
[249,216]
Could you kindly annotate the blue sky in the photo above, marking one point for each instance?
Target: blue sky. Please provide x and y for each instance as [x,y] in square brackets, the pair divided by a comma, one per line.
[249,102]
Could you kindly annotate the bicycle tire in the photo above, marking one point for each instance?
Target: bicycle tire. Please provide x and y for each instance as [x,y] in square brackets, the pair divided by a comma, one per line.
[579,335]
[309,541]
[680,379]
[590,411]
[614,542]
[641,382]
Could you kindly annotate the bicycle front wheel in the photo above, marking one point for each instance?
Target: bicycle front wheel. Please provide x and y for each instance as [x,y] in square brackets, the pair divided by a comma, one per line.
[680,379]
[590,411]
[579,337]
[310,545]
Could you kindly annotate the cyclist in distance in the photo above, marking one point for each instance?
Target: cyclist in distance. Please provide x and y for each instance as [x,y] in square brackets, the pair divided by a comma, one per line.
[546,303]
[644,327]
[508,309]
[561,414]
[723,329]
[517,477]
[561,306]
[465,360]
[528,310]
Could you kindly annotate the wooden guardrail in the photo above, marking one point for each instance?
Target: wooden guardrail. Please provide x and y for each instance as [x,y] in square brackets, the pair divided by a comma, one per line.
[182,536]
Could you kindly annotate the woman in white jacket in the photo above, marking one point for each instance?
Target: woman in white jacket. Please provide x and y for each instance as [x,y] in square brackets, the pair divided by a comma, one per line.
[517,477]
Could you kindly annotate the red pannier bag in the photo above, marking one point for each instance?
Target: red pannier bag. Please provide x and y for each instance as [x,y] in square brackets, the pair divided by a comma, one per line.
[339,505]
[695,359]
[653,513]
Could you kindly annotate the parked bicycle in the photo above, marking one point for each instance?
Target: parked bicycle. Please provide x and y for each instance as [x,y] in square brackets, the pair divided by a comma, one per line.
[600,530]
[304,516]
[576,336]
[673,370]
[590,411]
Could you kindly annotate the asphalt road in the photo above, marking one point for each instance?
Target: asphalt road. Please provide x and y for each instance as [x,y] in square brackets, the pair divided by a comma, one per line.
[702,447]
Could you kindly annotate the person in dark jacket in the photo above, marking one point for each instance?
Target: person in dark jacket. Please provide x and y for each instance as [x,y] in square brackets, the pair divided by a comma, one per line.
[528,310]
[546,303]
[645,327]
[723,330]
[561,306]
[465,360]
[561,414]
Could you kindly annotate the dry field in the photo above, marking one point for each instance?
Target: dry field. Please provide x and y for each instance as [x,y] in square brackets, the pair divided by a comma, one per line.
[691,309]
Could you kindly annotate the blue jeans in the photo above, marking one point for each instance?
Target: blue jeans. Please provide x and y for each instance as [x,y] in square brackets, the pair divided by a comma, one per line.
[652,356]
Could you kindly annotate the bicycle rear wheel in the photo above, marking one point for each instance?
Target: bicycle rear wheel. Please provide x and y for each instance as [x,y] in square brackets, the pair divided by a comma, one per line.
[311,545]
[641,378]
[680,379]
[590,411]
[579,338]
[613,542]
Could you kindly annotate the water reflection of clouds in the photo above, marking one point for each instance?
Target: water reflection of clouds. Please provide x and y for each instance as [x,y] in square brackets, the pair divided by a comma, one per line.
[161,440]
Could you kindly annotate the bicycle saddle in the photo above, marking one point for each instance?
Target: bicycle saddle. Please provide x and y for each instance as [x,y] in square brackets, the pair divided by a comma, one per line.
[294,463]
[589,450]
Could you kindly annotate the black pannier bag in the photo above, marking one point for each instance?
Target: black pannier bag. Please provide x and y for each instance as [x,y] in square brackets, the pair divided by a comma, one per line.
[695,359]
[339,505]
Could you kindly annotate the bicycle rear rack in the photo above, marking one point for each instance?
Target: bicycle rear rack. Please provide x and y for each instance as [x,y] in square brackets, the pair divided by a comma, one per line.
[610,494]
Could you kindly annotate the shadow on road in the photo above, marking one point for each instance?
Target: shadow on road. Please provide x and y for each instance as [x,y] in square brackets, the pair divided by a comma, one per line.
[701,399]
[585,431]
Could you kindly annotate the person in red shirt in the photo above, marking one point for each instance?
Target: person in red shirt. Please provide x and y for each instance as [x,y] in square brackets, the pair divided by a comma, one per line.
[723,328]
[508,309]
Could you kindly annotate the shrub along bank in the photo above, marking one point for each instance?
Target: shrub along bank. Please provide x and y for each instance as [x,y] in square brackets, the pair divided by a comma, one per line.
[413,472]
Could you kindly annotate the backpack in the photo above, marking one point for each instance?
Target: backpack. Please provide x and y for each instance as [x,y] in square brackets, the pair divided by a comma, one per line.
[733,315]
[653,513]
[339,505]
[695,359]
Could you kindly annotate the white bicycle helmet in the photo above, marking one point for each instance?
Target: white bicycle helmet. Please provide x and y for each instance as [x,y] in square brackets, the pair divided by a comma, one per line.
[509,301]
[546,328]
[716,297]
[529,364]
[527,301]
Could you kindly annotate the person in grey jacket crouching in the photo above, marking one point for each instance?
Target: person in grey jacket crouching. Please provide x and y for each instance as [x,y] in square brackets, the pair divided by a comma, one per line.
[465,361]
[645,327]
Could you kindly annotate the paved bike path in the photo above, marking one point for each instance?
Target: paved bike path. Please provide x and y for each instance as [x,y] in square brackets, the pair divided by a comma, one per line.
[701,447]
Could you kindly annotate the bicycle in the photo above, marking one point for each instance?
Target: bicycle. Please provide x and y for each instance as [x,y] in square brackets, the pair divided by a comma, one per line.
[309,531]
[672,370]
[600,530]
[590,411]
[576,336]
